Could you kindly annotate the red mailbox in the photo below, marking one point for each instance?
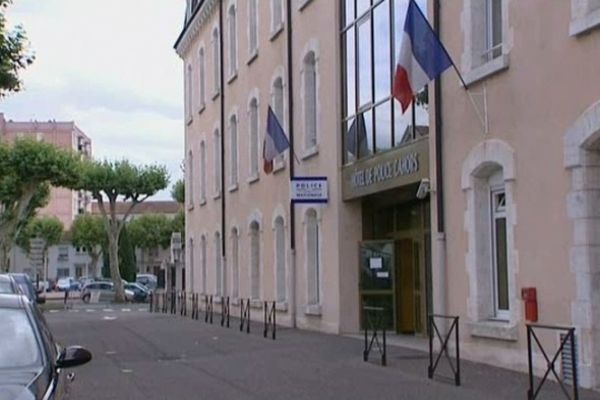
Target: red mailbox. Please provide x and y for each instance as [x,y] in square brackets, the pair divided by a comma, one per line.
[529,296]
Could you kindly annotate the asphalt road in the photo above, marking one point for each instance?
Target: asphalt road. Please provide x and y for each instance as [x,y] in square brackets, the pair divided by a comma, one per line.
[138,355]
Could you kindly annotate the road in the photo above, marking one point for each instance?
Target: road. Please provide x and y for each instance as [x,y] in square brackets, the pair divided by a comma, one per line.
[142,355]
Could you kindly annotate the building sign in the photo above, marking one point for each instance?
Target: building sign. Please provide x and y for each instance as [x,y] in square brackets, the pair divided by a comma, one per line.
[309,189]
[394,168]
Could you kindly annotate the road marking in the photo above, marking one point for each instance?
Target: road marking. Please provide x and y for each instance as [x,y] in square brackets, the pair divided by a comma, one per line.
[110,352]
[108,310]
[53,311]
[109,318]
[142,309]
[73,310]
[126,310]
[127,371]
[90,310]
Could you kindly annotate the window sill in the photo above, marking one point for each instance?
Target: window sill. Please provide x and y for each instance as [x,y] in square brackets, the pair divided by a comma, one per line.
[276,31]
[202,201]
[584,24]
[313,309]
[215,95]
[189,120]
[278,166]
[190,206]
[310,152]
[281,306]
[232,77]
[201,109]
[302,4]
[486,70]
[501,330]
[217,196]
[233,188]
[253,178]
[253,56]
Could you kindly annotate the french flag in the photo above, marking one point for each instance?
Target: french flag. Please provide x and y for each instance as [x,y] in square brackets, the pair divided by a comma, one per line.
[275,141]
[422,57]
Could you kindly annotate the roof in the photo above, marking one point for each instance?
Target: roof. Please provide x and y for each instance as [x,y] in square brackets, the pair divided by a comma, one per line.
[146,207]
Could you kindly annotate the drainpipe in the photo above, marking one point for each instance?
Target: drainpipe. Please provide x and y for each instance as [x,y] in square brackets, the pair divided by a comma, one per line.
[291,159]
[439,277]
[222,97]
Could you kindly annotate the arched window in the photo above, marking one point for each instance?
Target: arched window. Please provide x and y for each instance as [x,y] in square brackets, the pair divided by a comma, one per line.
[202,171]
[254,261]
[280,269]
[278,107]
[217,162]
[232,24]
[190,269]
[277,15]
[235,268]
[190,174]
[313,267]
[252,27]
[188,93]
[310,100]
[202,78]
[254,137]
[233,152]
[203,262]
[218,265]
[216,60]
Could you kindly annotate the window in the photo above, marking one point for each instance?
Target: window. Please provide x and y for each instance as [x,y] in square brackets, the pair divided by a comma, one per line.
[232,26]
[278,109]
[493,24]
[218,266]
[254,261]
[203,261]
[191,267]
[20,347]
[253,137]
[312,258]
[188,93]
[190,175]
[235,268]
[373,122]
[310,101]
[216,61]
[202,78]
[202,172]
[280,268]
[233,137]
[253,28]
[63,253]
[276,16]
[217,161]
[499,251]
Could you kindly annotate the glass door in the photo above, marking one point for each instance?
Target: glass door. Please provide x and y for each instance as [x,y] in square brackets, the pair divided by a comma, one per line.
[377,279]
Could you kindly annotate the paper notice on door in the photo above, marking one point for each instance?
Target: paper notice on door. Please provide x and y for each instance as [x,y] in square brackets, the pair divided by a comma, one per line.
[383,274]
[375,263]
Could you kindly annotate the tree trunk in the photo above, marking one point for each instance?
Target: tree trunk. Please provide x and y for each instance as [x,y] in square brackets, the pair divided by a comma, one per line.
[113,256]
[93,270]
[4,256]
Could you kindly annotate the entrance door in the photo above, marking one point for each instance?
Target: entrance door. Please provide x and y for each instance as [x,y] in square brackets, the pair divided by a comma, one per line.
[405,286]
[377,273]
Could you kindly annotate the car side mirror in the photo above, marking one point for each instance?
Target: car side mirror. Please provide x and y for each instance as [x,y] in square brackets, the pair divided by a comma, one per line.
[73,356]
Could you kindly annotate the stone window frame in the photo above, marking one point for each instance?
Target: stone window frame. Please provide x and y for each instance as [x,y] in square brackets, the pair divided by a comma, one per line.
[216,54]
[585,16]
[314,309]
[202,163]
[217,155]
[280,161]
[190,176]
[232,40]
[279,214]
[219,270]
[234,156]
[277,24]
[472,70]
[312,47]
[202,78]
[203,260]
[489,155]
[253,173]
[234,235]
[253,30]
[256,217]
[189,94]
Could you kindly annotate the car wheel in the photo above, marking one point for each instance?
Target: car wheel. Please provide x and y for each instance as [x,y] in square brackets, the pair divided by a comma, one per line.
[86,298]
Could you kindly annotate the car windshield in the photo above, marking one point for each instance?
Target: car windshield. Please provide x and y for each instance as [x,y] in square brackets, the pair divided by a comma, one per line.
[18,345]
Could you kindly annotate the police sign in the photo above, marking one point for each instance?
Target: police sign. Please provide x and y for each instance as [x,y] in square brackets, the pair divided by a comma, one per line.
[309,189]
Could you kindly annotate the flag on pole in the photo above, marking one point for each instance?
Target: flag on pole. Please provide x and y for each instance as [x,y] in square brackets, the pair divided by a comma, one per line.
[356,137]
[422,57]
[275,141]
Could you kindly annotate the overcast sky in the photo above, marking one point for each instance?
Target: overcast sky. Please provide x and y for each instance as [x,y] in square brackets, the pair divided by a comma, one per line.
[109,66]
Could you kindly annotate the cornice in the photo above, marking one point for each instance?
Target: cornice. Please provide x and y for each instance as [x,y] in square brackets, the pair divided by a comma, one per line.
[190,31]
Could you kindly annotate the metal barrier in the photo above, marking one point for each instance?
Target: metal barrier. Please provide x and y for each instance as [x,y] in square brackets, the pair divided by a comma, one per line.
[568,338]
[195,309]
[225,311]
[173,302]
[165,305]
[270,319]
[444,339]
[183,307]
[245,315]
[376,325]
[150,302]
[208,315]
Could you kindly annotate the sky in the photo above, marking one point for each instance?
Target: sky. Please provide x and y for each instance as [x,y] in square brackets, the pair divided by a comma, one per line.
[109,66]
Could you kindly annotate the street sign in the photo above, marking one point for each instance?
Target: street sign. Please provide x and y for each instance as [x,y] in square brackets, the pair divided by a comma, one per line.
[36,252]
[309,189]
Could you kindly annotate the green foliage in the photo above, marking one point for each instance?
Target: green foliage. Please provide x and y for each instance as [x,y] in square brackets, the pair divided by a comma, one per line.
[48,228]
[178,224]
[88,231]
[14,54]
[127,266]
[178,191]
[150,231]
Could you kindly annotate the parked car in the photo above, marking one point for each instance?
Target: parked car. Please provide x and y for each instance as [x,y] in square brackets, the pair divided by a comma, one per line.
[27,288]
[31,363]
[106,292]
[148,280]
[68,283]
[140,292]
[8,285]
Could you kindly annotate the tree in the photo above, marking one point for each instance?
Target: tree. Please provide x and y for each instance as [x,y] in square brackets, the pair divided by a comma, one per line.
[27,169]
[178,191]
[150,231]
[109,181]
[14,54]
[127,267]
[50,229]
[88,232]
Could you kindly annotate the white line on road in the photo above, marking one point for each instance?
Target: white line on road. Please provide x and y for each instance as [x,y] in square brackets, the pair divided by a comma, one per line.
[108,310]
[53,311]
[90,310]
[127,371]
[142,309]
[126,310]
[109,318]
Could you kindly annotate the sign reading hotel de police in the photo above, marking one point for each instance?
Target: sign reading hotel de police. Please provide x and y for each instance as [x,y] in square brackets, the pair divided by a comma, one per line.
[395,168]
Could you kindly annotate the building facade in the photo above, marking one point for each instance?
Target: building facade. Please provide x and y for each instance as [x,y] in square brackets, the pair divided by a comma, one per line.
[421,215]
